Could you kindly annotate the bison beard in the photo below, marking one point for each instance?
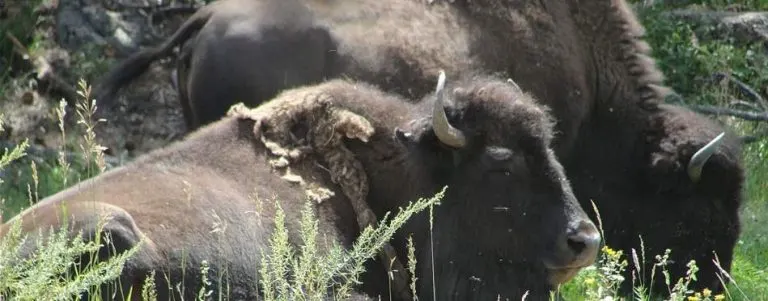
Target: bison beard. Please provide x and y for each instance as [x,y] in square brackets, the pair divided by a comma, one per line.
[399,150]
[585,60]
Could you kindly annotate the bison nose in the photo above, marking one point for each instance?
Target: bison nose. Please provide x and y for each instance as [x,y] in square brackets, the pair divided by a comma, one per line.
[583,242]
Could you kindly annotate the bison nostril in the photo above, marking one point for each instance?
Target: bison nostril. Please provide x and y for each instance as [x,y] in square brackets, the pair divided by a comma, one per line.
[584,241]
[576,245]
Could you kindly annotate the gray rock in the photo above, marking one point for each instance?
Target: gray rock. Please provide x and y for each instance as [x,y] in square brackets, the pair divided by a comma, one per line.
[81,22]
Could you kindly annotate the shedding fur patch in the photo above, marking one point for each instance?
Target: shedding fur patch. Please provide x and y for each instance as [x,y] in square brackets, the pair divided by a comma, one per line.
[323,127]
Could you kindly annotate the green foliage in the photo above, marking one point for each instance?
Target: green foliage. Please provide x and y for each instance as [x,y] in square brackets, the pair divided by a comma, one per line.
[688,63]
[32,178]
[19,181]
[751,255]
[9,156]
[21,26]
[54,271]
[55,264]
[51,273]
[721,4]
[310,273]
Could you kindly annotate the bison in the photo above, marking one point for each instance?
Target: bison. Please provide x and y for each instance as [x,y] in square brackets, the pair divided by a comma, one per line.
[283,46]
[586,60]
[508,224]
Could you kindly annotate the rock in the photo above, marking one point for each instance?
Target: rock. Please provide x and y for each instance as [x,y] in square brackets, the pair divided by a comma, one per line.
[148,118]
[125,29]
[741,28]
[150,115]
[27,114]
[79,23]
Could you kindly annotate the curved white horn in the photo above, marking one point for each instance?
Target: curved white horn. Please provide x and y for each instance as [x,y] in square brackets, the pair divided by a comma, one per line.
[700,158]
[509,80]
[443,129]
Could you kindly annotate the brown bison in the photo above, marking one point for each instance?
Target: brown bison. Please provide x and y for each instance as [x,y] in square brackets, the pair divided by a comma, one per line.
[586,60]
[281,46]
[508,223]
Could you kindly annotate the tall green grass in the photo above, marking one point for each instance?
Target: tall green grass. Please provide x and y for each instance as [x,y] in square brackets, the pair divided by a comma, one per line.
[688,64]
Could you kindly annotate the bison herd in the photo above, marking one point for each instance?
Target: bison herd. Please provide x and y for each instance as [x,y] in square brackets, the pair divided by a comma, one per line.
[544,107]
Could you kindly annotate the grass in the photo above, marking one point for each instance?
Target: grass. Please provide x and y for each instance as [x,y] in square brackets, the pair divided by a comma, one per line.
[687,62]
[682,57]
[64,265]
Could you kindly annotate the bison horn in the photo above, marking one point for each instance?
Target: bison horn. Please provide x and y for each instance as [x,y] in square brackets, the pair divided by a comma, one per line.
[701,156]
[509,80]
[443,129]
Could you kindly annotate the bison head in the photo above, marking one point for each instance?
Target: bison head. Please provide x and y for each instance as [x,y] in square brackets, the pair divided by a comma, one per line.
[509,222]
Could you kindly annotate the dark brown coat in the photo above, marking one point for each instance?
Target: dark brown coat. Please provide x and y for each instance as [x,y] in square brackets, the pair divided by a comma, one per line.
[279,46]
[508,223]
[586,60]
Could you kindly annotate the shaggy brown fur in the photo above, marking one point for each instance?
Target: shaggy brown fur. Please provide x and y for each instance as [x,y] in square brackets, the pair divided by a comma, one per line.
[329,127]
[585,60]
[503,183]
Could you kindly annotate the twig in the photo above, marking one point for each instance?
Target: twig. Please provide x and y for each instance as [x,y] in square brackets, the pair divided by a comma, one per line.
[744,88]
[712,110]
[751,106]
[44,70]
[119,6]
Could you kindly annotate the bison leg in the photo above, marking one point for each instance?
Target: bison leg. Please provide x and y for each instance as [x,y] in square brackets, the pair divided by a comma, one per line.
[118,234]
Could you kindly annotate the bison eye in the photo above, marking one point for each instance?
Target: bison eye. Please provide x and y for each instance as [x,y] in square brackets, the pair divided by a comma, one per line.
[501,170]
[403,136]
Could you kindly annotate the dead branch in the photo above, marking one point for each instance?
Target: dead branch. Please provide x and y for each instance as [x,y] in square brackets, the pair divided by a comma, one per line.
[44,70]
[117,5]
[713,110]
[748,105]
[744,88]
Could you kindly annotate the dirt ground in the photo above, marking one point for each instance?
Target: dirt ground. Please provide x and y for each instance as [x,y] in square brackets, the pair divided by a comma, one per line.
[76,36]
